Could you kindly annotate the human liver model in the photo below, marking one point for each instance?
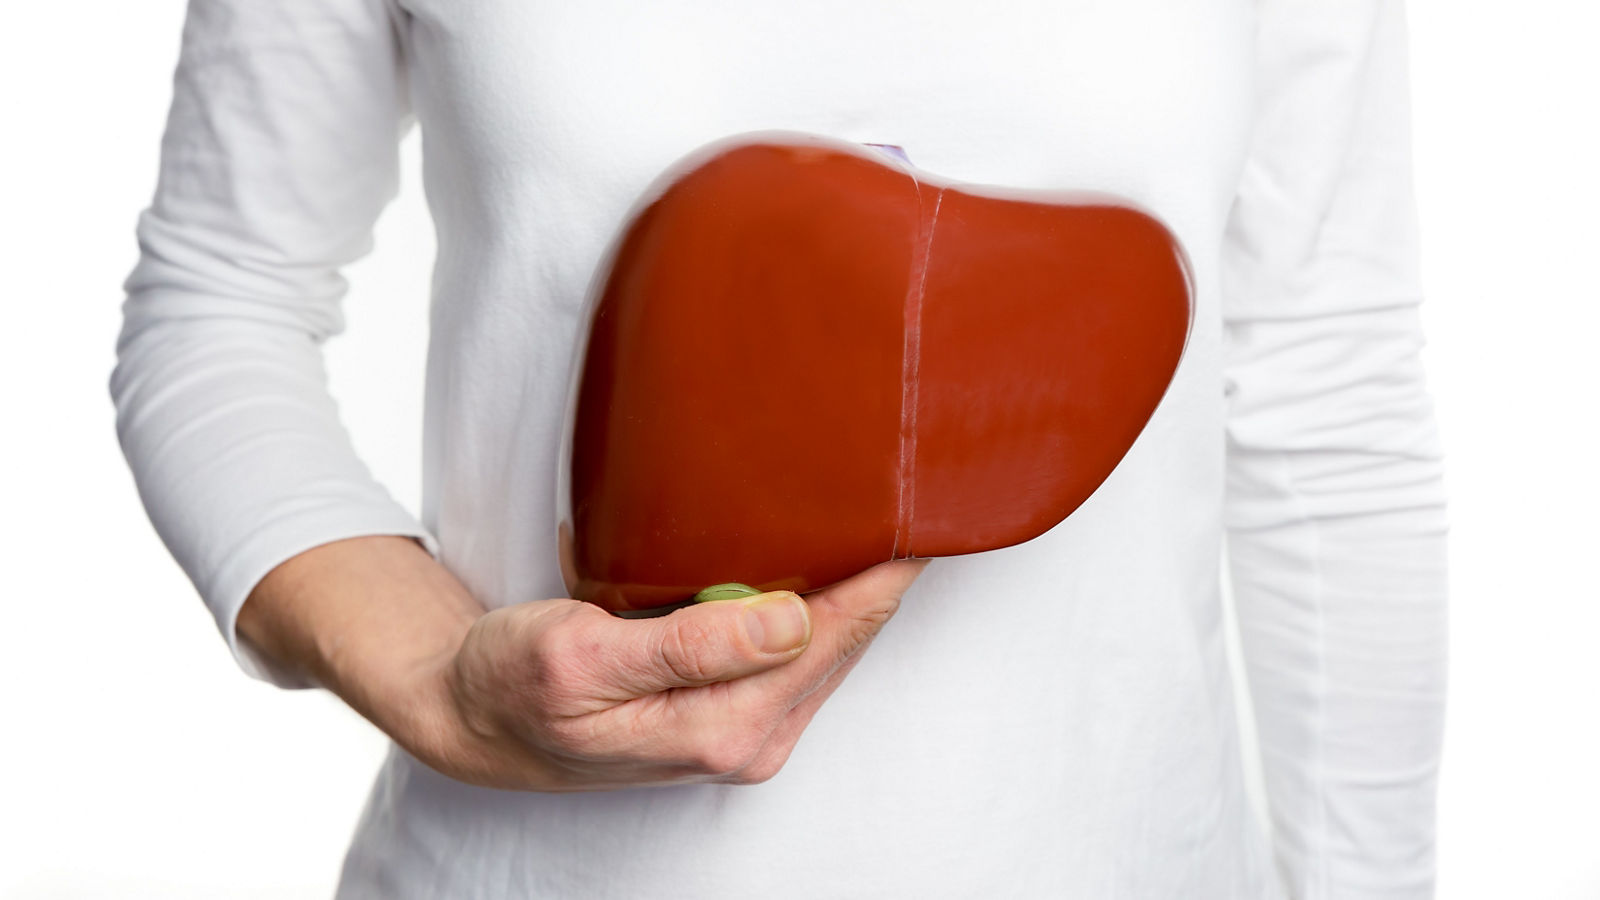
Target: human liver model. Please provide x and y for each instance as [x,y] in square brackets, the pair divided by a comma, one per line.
[806,357]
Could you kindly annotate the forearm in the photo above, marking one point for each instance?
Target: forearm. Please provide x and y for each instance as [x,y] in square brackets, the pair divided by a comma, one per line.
[1343,626]
[281,149]
[555,694]
[374,620]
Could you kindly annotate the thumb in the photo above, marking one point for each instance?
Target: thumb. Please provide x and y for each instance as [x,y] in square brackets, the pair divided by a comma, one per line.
[719,640]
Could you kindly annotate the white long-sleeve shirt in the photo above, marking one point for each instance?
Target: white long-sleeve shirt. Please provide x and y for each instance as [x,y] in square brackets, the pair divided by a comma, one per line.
[1049,720]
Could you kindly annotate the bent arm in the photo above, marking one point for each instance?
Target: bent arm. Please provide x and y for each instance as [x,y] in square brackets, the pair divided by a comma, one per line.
[1336,506]
[280,150]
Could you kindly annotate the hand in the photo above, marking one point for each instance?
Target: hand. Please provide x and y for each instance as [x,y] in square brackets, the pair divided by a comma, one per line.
[559,695]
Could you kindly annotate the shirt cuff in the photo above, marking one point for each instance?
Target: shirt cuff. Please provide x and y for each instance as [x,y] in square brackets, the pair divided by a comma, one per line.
[275,543]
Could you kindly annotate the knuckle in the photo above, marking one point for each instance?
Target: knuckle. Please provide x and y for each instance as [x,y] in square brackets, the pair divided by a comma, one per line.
[554,662]
[773,756]
[561,659]
[685,651]
[550,642]
[762,770]
[726,754]
[769,760]
[572,733]
[868,619]
[884,605]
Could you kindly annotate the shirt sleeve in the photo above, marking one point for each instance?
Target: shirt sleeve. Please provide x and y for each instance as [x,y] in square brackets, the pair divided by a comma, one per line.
[1335,508]
[280,151]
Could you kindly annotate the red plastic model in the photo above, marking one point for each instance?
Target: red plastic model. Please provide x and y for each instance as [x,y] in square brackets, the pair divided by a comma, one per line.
[806,357]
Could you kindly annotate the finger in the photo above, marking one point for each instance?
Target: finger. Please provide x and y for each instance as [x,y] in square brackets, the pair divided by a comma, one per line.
[781,743]
[720,640]
[723,726]
[844,618]
[786,735]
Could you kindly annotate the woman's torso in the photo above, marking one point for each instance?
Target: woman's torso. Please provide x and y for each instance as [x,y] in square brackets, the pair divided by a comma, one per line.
[1053,719]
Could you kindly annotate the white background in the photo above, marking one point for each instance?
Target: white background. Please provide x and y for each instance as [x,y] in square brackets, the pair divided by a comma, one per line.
[137,761]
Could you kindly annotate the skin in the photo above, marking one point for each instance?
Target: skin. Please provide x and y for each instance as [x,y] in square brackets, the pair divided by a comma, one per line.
[559,695]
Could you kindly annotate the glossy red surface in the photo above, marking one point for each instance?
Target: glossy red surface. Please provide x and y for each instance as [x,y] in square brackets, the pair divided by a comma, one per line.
[806,357]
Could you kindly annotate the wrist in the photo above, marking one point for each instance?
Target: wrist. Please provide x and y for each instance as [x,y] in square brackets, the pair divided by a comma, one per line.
[417,706]
[376,620]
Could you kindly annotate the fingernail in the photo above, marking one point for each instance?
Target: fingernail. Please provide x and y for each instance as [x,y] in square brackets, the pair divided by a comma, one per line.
[777,621]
